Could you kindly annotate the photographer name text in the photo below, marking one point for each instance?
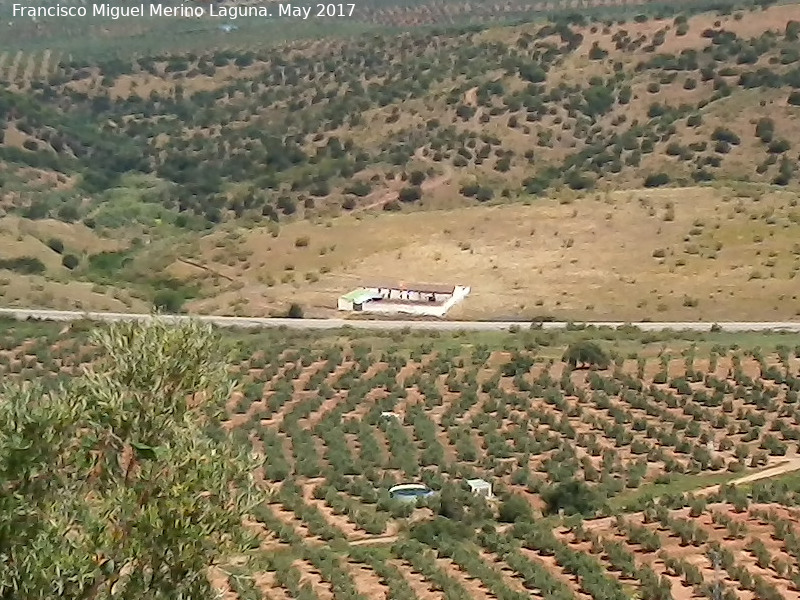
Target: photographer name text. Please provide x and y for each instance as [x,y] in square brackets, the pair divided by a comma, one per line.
[195,11]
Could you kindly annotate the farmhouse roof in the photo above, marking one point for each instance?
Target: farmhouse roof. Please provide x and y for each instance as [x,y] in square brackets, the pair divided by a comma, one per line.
[358,295]
[424,288]
[478,483]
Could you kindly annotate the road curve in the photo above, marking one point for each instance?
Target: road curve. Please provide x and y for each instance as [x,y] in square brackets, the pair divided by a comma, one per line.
[433,325]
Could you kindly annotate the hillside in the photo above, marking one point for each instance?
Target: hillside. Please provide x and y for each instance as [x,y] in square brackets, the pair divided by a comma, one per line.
[285,150]
[318,126]
[680,254]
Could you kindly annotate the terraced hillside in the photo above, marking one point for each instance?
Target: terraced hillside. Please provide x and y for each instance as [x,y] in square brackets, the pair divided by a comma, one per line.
[590,467]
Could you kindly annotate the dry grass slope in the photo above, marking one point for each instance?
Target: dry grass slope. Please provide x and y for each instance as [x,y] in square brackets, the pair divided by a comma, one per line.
[673,254]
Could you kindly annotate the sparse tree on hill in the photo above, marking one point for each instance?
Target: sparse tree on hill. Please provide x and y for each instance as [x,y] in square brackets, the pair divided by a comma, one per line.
[410,194]
[70,261]
[168,300]
[295,311]
[586,354]
[56,245]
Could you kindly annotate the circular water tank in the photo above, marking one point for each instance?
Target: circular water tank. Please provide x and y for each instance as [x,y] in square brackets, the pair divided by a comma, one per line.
[410,491]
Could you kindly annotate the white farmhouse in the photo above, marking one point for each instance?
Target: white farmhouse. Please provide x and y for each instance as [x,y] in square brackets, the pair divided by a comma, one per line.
[415,299]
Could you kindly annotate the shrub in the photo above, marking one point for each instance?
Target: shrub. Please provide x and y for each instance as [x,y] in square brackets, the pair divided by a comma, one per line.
[465,112]
[722,147]
[168,300]
[470,190]
[320,189]
[514,508]
[587,354]
[792,30]
[656,180]
[287,205]
[573,497]
[694,120]
[410,194]
[578,181]
[503,164]
[765,129]
[778,146]
[301,242]
[295,311]
[596,52]
[70,261]
[433,532]
[722,134]
[56,245]
[674,149]
[484,194]
[416,178]
[359,188]
[26,265]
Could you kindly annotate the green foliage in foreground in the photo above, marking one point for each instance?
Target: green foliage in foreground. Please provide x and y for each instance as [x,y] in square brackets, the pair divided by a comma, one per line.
[110,485]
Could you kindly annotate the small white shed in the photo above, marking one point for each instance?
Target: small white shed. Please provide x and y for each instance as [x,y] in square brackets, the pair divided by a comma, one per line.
[480,487]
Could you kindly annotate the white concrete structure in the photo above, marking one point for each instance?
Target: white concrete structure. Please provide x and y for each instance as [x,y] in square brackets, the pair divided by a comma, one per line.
[357,297]
[410,492]
[480,487]
[415,299]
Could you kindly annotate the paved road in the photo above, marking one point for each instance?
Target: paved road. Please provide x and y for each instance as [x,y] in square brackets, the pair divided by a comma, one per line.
[252,322]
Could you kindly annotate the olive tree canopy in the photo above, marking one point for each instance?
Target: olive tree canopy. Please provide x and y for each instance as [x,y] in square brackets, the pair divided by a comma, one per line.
[585,353]
[110,485]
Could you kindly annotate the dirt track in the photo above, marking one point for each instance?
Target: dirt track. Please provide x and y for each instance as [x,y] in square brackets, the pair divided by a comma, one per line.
[381,539]
[787,466]
[471,96]
[380,197]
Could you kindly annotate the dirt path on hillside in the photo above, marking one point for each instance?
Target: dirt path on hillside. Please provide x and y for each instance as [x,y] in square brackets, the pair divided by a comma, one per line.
[471,96]
[787,466]
[380,197]
[380,539]
[197,265]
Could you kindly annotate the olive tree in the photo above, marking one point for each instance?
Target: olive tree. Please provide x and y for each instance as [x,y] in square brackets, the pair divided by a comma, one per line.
[110,485]
[585,353]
